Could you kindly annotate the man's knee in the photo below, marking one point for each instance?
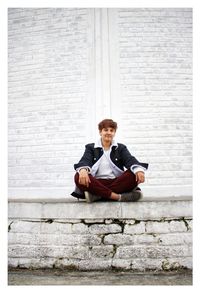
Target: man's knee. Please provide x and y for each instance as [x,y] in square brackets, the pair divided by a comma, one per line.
[76,178]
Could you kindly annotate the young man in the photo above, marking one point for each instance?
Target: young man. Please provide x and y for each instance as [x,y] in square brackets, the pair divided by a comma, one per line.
[100,172]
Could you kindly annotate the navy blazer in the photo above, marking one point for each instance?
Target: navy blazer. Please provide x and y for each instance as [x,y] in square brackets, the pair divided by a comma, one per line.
[119,155]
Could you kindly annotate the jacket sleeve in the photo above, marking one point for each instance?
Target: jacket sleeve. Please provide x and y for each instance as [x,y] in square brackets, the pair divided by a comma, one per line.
[129,161]
[87,158]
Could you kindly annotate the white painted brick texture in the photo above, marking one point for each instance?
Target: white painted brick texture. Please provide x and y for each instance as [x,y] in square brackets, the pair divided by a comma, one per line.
[49,69]
[52,94]
[155,72]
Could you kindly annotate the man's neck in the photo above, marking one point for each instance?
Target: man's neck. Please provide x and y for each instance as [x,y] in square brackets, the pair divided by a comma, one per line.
[106,144]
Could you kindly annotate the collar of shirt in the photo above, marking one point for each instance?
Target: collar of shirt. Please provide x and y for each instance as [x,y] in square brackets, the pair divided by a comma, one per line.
[98,144]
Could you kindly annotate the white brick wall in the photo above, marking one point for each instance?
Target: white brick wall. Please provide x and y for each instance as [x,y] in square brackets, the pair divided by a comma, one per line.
[49,94]
[58,79]
[154,99]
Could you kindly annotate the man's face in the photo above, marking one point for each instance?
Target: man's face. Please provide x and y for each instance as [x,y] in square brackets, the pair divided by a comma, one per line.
[107,134]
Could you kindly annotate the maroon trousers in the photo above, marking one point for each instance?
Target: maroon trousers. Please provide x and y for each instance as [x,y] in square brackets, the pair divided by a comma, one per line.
[104,187]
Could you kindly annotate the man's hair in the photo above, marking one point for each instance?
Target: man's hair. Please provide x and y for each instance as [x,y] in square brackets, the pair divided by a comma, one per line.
[107,123]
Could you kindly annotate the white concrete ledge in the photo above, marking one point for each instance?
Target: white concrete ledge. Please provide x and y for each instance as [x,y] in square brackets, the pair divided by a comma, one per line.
[69,199]
[43,208]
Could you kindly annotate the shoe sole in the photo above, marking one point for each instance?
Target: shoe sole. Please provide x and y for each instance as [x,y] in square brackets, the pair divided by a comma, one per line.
[92,198]
[87,197]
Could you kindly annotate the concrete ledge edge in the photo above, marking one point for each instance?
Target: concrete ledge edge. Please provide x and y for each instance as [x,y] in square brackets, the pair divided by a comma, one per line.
[70,199]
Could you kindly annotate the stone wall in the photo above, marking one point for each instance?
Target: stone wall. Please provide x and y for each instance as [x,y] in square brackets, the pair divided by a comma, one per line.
[121,236]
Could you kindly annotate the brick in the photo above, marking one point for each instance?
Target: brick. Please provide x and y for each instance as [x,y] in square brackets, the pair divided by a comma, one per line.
[175,239]
[157,227]
[40,227]
[121,263]
[102,251]
[79,228]
[153,252]
[24,227]
[137,228]
[166,227]
[56,239]
[145,264]
[35,263]
[176,263]
[80,252]
[177,226]
[12,262]
[95,264]
[104,229]
[118,239]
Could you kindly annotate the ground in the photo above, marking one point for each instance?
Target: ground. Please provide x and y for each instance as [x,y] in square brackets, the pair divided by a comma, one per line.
[65,277]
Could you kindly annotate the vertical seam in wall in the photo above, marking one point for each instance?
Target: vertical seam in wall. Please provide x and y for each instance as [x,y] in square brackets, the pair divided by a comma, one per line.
[109,63]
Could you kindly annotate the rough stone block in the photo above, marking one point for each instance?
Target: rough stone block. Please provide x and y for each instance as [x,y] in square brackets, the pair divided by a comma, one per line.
[104,229]
[24,226]
[55,239]
[153,251]
[143,264]
[165,226]
[55,228]
[12,262]
[35,263]
[157,227]
[177,226]
[146,239]
[121,263]
[49,251]
[175,239]
[95,264]
[80,228]
[137,228]
[119,239]
[69,264]
[102,251]
[176,263]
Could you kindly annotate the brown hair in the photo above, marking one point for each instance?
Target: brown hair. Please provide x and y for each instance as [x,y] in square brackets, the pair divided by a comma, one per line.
[107,123]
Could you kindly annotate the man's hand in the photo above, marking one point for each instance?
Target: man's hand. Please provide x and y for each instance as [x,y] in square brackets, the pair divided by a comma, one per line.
[84,178]
[140,177]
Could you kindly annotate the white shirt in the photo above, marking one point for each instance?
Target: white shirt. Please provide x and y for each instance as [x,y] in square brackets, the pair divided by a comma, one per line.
[104,170]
